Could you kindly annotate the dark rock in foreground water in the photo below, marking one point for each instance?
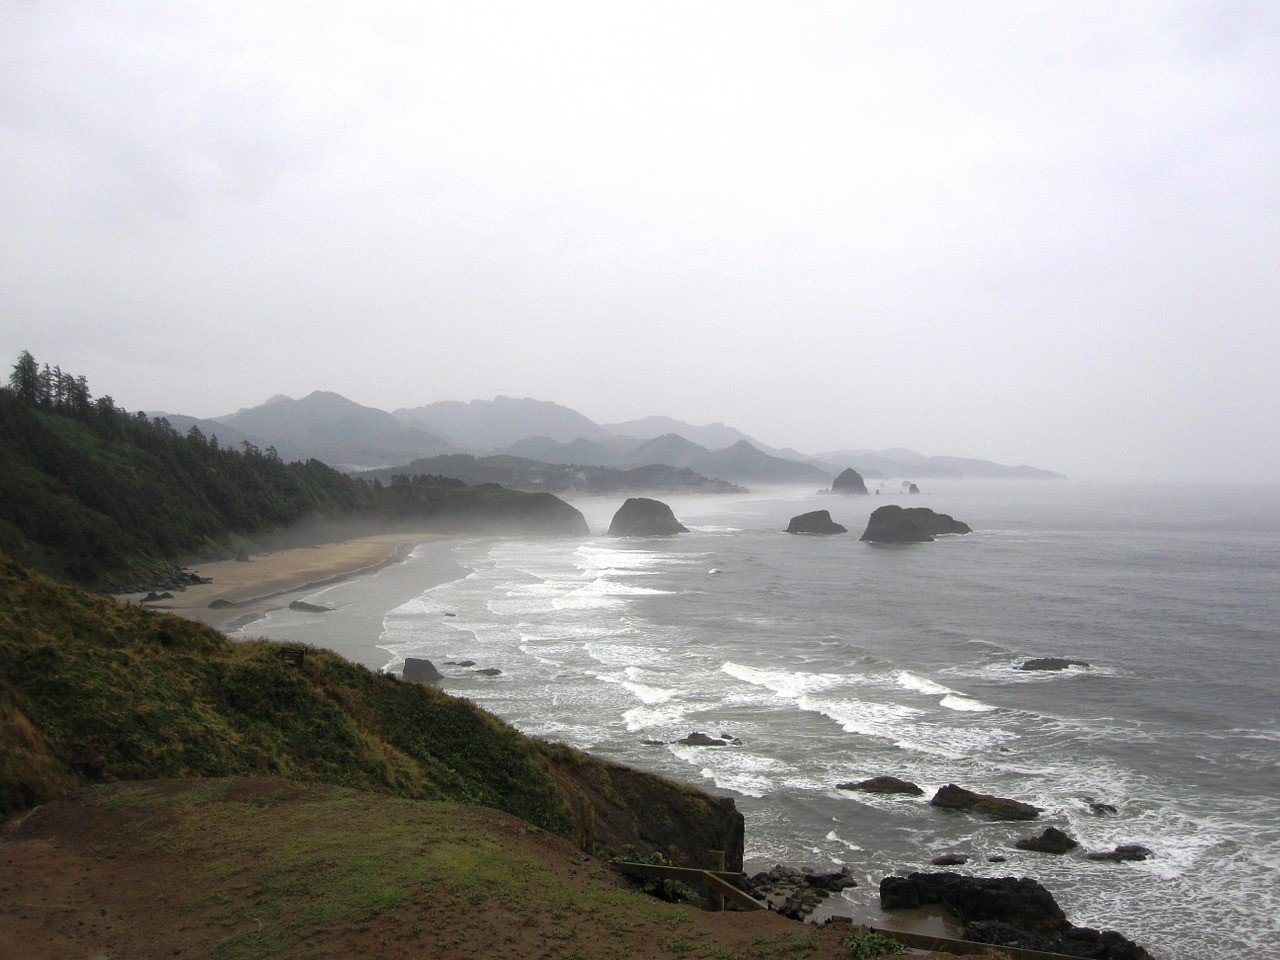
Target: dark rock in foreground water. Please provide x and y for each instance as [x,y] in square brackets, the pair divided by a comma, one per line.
[883,785]
[949,860]
[309,607]
[849,482]
[1050,663]
[1007,911]
[1051,840]
[488,671]
[642,517]
[894,524]
[421,671]
[952,797]
[1123,853]
[816,522]
[697,739]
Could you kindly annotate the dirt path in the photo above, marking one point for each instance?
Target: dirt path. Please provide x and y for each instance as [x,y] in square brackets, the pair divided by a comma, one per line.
[256,868]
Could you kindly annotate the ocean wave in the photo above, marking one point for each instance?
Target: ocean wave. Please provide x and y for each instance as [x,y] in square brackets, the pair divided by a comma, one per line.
[910,681]
[965,704]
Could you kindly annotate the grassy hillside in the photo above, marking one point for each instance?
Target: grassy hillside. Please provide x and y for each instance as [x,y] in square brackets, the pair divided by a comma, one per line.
[92,690]
[105,498]
[247,869]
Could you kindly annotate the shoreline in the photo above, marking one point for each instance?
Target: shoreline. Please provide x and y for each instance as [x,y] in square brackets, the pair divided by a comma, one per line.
[252,589]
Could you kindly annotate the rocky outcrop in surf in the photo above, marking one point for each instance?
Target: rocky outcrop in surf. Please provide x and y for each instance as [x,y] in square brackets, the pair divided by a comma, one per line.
[849,482]
[952,797]
[883,785]
[816,522]
[1050,840]
[1007,912]
[303,607]
[894,524]
[642,517]
[421,671]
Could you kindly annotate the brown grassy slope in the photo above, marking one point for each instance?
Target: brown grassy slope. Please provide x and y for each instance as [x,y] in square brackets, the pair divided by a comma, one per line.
[92,690]
[235,869]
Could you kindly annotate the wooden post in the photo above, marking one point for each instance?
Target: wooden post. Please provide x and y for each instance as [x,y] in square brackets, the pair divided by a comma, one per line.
[715,862]
[587,825]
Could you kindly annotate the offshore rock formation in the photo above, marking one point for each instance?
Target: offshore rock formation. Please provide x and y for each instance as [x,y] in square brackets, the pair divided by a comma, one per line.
[1008,912]
[642,517]
[849,482]
[894,524]
[1051,840]
[816,522]
[883,785]
[421,671]
[952,797]
[1050,663]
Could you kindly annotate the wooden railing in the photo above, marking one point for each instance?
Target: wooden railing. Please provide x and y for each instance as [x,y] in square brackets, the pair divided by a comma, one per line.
[717,882]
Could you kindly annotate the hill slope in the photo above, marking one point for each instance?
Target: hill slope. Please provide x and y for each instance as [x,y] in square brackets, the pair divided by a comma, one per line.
[92,690]
[492,424]
[329,427]
[256,868]
[531,475]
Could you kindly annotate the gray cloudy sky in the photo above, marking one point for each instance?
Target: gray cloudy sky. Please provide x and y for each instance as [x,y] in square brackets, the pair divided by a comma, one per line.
[1036,232]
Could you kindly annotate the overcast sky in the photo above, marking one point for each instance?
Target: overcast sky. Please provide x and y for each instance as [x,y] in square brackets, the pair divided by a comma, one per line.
[1034,232]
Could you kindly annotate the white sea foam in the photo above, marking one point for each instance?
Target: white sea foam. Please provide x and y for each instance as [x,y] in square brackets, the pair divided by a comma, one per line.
[965,704]
[910,681]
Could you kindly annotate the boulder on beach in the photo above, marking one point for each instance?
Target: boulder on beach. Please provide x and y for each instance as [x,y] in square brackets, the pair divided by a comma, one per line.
[817,522]
[1050,663]
[1050,840]
[849,482]
[1006,911]
[305,607]
[642,517]
[1122,854]
[796,893]
[221,604]
[421,671]
[894,524]
[952,797]
[883,785]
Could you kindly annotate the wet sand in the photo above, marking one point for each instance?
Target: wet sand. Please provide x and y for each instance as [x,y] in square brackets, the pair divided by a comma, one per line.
[250,590]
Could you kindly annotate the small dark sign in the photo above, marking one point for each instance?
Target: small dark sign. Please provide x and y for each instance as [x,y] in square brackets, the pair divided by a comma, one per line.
[292,655]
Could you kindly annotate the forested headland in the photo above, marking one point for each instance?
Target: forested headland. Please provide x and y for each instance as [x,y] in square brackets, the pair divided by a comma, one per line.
[92,493]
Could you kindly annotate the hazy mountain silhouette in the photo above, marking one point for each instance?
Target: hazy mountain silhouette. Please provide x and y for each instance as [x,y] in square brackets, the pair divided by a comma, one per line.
[332,428]
[491,424]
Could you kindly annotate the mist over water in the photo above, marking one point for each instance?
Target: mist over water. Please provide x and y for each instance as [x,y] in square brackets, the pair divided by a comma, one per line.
[834,660]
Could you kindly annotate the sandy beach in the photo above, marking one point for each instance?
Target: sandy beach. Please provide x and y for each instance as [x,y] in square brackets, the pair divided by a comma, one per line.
[271,580]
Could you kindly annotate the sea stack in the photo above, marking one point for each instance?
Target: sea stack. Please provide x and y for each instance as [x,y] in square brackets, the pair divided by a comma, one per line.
[818,522]
[641,517]
[894,524]
[849,482]
[421,671]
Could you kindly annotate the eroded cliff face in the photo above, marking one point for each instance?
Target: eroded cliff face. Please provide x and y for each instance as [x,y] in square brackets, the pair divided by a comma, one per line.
[635,809]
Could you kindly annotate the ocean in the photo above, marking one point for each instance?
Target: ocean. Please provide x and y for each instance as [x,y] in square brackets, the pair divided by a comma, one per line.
[834,660]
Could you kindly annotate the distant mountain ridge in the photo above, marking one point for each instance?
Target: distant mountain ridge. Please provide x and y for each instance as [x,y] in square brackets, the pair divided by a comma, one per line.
[338,431]
[329,427]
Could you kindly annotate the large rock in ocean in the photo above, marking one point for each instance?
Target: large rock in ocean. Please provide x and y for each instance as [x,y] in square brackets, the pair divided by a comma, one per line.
[421,671]
[1051,840]
[816,522]
[894,524]
[952,797]
[1007,911]
[883,785]
[849,482]
[642,517]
